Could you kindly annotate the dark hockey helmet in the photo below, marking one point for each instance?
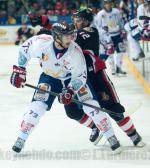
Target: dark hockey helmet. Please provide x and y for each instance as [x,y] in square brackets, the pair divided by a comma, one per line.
[62,28]
[85,14]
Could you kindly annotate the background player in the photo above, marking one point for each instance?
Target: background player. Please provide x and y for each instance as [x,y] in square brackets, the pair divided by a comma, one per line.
[24,33]
[111,17]
[88,39]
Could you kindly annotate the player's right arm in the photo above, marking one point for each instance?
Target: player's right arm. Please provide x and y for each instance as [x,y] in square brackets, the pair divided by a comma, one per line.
[29,49]
[18,76]
[78,76]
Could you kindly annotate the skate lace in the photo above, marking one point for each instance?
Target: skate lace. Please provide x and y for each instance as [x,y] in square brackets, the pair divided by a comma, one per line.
[94,131]
[112,140]
[134,138]
[19,143]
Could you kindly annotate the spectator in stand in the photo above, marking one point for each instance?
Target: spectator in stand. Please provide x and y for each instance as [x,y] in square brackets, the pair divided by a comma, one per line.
[3,9]
[59,5]
[50,7]
[64,12]
[23,34]
[3,16]
[11,20]
[49,4]
[75,5]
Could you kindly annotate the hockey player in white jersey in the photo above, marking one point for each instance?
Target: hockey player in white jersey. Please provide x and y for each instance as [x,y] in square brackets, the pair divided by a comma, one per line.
[64,72]
[143,10]
[139,28]
[106,47]
[135,34]
[111,17]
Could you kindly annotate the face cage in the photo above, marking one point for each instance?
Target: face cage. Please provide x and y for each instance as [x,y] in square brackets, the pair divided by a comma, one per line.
[60,37]
[85,23]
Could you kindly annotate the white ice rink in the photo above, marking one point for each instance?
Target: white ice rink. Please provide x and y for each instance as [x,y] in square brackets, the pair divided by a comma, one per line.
[59,142]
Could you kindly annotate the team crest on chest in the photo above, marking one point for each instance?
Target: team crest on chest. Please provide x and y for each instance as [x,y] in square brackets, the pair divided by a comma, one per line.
[45,57]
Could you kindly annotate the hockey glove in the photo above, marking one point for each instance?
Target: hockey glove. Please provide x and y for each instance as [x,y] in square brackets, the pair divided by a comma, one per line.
[146,31]
[66,96]
[18,77]
[110,49]
[123,35]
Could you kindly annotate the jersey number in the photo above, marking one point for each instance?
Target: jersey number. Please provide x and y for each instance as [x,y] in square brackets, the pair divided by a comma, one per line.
[85,36]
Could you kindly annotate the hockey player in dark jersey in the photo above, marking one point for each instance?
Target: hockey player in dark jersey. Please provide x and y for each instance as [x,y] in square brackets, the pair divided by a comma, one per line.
[23,33]
[88,39]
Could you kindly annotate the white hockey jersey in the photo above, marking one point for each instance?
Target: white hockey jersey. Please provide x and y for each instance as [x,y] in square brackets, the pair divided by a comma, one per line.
[136,30]
[133,28]
[143,10]
[70,65]
[111,19]
[105,41]
[131,25]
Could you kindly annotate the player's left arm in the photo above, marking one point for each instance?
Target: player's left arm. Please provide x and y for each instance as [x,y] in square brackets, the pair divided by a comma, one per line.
[78,71]
[78,77]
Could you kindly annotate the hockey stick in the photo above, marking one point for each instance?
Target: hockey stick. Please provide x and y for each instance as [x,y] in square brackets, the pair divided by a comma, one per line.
[76,101]
[133,108]
[25,6]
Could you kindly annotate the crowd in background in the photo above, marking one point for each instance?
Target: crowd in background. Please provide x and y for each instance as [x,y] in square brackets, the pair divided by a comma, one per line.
[11,10]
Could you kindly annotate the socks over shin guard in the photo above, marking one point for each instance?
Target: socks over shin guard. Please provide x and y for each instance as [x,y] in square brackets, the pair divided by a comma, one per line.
[127,126]
[87,121]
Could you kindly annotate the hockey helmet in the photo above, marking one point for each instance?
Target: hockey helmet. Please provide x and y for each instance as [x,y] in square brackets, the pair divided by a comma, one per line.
[85,14]
[62,28]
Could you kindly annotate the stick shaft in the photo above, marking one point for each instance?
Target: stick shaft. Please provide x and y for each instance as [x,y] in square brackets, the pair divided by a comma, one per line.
[76,101]
[25,6]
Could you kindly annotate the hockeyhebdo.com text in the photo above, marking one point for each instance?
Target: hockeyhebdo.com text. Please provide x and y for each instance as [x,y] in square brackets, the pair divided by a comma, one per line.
[84,154]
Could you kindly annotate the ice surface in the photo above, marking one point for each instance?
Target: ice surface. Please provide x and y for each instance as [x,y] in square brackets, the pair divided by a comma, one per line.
[59,142]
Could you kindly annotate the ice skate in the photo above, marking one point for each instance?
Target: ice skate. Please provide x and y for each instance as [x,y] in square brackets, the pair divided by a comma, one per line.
[115,145]
[120,72]
[137,140]
[95,136]
[19,144]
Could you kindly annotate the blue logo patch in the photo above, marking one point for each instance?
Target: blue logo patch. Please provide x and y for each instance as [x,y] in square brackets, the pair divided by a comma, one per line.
[22,60]
[76,84]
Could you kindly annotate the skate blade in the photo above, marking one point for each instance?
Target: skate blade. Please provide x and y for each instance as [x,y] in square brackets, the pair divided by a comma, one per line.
[121,75]
[98,139]
[141,144]
[117,151]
